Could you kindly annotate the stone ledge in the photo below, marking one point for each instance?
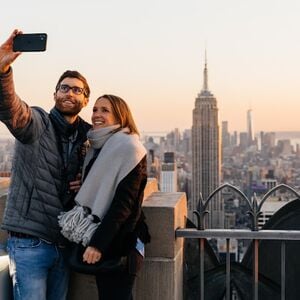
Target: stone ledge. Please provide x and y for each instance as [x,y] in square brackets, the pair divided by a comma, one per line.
[160,278]
[150,188]
[165,212]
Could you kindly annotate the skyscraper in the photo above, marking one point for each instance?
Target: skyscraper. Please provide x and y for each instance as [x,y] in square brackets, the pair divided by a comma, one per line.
[225,135]
[249,128]
[206,154]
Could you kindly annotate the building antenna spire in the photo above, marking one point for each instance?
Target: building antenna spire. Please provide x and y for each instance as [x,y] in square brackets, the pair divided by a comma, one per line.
[205,74]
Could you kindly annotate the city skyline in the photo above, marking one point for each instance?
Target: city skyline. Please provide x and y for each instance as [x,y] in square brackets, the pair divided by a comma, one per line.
[153,57]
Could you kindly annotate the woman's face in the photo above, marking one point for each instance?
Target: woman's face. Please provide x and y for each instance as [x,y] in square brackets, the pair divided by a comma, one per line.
[103,115]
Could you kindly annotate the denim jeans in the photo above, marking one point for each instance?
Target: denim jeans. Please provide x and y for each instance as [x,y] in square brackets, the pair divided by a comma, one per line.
[37,269]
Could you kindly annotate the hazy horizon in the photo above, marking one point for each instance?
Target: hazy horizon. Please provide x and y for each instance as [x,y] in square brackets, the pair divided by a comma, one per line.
[279,134]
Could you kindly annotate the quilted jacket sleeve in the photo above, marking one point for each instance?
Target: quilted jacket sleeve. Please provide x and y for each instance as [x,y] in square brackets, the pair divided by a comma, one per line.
[24,123]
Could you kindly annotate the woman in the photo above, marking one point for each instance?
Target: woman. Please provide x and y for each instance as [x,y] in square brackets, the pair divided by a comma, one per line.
[114,178]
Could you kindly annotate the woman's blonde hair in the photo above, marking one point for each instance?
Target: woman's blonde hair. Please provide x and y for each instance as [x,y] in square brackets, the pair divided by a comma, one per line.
[122,112]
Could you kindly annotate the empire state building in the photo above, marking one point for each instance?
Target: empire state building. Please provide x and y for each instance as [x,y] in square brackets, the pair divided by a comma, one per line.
[206,154]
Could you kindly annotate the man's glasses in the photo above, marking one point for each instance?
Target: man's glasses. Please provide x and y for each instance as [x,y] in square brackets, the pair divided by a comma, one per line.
[64,88]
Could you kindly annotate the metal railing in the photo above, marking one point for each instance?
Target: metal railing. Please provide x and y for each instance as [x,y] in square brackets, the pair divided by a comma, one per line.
[253,234]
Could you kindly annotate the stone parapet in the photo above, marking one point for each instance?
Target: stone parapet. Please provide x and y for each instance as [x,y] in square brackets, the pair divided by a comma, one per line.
[162,274]
[150,188]
[165,212]
[160,278]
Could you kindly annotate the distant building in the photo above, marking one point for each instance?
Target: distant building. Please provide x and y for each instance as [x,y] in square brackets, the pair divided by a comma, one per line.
[222,249]
[269,183]
[243,140]
[152,158]
[168,174]
[250,135]
[187,142]
[173,140]
[284,147]
[268,209]
[234,139]
[225,135]
[206,154]
[298,150]
[267,140]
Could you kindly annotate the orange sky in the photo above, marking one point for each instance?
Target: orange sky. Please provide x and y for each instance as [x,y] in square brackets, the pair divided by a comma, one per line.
[152,55]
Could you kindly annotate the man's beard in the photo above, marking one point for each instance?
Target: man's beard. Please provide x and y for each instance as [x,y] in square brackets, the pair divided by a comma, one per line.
[68,111]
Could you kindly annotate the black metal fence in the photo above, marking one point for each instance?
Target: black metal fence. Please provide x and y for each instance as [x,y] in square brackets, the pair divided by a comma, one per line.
[270,273]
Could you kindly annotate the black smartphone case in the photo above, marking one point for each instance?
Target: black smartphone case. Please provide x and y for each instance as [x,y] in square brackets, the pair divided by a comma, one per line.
[30,42]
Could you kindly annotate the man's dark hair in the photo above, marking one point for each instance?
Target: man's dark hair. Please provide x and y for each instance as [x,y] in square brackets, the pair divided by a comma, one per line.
[74,74]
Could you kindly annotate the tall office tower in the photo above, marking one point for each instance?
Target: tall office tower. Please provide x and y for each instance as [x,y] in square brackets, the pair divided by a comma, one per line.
[250,133]
[243,140]
[234,139]
[267,141]
[173,140]
[177,139]
[168,175]
[206,155]
[225,135]
[187,142]
[285,147]
[298,150]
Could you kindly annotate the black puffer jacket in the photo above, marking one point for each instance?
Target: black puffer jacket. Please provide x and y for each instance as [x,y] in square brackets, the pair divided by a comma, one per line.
[38,189]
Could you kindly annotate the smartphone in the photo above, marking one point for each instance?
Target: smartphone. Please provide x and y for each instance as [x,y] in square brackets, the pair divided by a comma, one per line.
[30,42]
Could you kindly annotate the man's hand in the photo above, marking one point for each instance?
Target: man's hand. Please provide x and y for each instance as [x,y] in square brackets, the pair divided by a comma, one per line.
[76,184]
[7,55]
[91,255]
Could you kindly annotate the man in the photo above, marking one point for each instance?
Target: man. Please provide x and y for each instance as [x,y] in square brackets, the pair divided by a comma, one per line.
[48,154]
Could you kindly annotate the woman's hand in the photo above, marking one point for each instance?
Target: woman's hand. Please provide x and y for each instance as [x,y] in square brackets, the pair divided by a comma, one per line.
[91,255]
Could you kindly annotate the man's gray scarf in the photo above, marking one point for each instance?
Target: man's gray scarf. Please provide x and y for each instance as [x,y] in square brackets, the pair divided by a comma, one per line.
[120,153]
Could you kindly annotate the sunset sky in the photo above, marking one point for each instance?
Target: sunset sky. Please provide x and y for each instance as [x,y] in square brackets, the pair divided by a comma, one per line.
[151,53]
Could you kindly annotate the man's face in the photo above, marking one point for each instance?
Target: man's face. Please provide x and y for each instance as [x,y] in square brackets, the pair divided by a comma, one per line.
[69,98]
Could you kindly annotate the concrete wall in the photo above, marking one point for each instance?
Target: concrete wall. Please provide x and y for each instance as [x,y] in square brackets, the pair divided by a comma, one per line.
[162,274]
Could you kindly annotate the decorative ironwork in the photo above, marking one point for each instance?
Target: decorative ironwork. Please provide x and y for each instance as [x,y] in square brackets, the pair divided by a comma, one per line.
[254,205]
[283,227]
